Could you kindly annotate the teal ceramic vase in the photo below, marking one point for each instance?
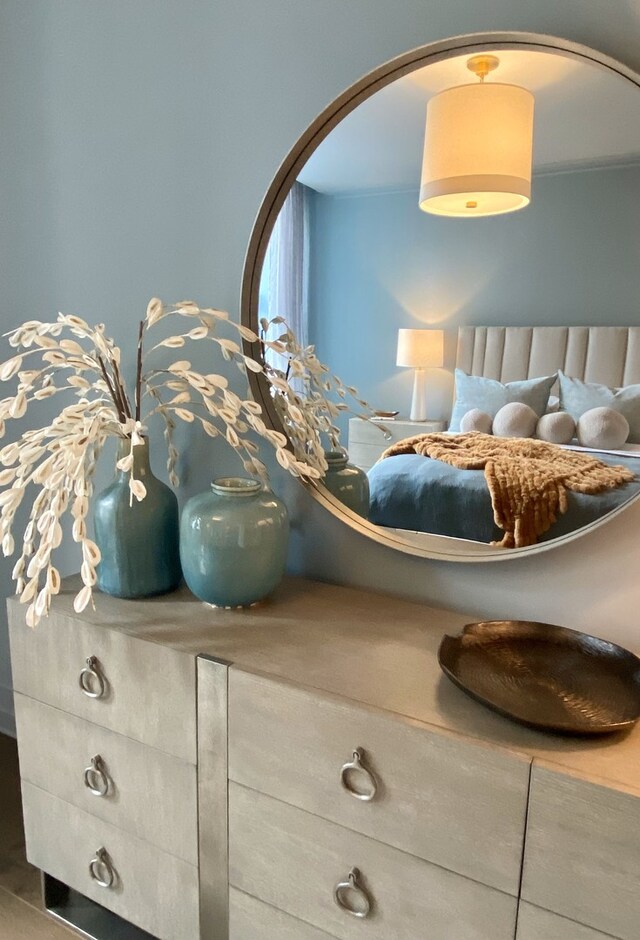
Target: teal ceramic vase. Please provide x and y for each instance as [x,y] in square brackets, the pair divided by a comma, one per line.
[349,484]
[139,543]
[233,542]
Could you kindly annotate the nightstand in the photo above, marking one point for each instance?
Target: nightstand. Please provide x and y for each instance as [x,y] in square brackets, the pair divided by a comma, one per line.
[367,440]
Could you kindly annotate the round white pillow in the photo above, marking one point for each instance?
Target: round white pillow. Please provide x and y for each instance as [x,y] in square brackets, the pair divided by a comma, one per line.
[556,428]
[476,420]
[602,427]
[515,420]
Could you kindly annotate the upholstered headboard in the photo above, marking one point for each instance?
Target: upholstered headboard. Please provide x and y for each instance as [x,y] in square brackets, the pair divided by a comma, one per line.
[606,354]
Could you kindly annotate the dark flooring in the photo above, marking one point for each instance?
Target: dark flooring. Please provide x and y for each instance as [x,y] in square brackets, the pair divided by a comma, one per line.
[21,917]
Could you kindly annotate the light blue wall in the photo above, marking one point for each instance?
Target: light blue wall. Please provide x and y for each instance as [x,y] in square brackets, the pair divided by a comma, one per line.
[136,142]
[379,263]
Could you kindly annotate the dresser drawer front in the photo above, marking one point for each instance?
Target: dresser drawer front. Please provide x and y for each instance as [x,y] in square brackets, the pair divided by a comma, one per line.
[149,690]
[438,797]
[536,924]
[147,793]
[582,856]
[293,861]
[252,920]
[153,890]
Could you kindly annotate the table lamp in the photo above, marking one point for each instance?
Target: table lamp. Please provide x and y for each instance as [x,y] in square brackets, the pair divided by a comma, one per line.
[420,350]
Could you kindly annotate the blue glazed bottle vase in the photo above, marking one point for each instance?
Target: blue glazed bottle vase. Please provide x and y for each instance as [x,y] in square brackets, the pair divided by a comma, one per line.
[139,543]
[233,542]
[349,484]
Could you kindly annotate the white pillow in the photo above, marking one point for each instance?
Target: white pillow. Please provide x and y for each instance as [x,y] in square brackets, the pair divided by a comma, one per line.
[476,420]
[603,428]
[556,428]
[515,420]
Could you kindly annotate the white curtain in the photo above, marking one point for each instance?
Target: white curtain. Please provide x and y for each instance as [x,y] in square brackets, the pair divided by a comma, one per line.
[285,274]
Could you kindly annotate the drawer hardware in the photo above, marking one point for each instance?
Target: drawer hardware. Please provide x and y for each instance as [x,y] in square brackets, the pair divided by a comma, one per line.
[346,892]
[95,777]
[354,767]
[101,869]
[91,679]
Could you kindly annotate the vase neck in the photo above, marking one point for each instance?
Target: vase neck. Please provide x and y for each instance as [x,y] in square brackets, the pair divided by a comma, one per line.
[336,459]
[141,464]
[238,487]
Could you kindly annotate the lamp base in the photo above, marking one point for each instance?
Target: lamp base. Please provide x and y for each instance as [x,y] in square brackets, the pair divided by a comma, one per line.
[419,400]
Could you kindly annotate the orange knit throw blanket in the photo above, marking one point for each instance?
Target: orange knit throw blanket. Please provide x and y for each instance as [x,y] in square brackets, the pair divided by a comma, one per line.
[527,479]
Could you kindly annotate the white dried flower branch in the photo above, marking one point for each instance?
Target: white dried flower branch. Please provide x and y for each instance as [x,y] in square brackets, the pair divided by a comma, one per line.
[308,407]
[59,459]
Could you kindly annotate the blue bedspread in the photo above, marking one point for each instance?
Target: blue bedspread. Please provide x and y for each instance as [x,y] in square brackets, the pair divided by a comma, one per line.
[414,492]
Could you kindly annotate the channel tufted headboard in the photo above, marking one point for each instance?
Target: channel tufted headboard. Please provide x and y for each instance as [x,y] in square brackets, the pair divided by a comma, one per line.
[606,354]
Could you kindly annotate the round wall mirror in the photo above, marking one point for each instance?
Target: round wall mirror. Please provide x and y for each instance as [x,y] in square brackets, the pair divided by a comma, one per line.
[413,233]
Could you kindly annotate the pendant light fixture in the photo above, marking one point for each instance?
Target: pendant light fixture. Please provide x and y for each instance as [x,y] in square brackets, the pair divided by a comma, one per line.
[478,147]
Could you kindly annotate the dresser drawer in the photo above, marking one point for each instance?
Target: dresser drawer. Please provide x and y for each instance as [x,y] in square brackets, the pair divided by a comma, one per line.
[156,891]
[252,920]
[582,856]
[536,924]
[146,792]
[293,861]
[439,797]
[148,690]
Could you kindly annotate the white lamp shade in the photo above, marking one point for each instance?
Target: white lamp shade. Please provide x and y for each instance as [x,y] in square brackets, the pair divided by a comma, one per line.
[478,150]
[420,349]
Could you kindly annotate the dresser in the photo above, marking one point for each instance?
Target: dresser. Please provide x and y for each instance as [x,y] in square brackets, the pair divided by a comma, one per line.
[302,770]
[368,439]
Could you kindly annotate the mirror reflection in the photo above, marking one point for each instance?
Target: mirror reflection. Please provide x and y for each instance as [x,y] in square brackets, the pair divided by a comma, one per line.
[527,248]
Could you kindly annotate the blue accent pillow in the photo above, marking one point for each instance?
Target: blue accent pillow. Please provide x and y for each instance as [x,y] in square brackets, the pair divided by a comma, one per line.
[576,397]
[489,395]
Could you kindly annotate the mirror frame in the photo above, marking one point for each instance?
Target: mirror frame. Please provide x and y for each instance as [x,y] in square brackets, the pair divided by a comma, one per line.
[425,545]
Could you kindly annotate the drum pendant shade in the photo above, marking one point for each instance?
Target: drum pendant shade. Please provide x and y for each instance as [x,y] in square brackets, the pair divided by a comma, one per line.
[478,150]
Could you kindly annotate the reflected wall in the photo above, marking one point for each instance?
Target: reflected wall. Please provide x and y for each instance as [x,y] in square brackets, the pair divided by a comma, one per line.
[377,264]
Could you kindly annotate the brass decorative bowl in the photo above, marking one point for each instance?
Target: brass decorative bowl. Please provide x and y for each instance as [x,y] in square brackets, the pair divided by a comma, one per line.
[545,676]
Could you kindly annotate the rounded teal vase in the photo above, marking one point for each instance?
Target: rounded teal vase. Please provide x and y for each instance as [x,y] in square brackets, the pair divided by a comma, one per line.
[233,542]
[139,543]
[349,484]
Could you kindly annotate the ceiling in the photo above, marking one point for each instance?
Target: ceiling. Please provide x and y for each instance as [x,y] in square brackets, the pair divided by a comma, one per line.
[585,117]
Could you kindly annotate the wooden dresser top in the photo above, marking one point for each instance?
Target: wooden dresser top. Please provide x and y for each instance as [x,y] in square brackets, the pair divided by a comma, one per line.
[371,648]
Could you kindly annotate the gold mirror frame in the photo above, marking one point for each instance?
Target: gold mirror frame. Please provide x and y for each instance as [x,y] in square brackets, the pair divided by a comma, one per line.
[425,545]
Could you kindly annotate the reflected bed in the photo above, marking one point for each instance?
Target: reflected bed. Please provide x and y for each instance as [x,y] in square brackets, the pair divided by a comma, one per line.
[418,494]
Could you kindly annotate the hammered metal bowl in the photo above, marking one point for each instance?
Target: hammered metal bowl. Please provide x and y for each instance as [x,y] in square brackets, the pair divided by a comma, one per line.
[545,676]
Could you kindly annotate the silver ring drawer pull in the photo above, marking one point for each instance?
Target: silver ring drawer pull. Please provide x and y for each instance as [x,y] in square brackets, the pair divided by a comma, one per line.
[91,679]
[95,777]
[346,892]
[101,869]
[357,766]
